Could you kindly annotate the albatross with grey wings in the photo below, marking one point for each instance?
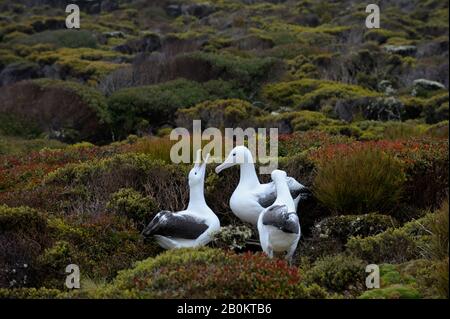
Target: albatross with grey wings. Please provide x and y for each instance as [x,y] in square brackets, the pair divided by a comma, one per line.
[191,227]
[278,225]
[251,197]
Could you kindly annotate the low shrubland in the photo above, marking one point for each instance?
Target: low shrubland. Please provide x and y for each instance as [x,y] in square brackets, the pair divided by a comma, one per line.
[211,273]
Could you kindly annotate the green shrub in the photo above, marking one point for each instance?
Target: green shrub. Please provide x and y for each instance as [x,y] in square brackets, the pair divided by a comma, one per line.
[340,273]
[311,94]
[64,110]
[437,226]
[129,202]
[92,97]
[155,104]
[232,237]
[29,293]
[23,235]
[62,38]
[392,292]
[248,72]
[210,273]
[22,219]
[100,245]
[341,228]
[93,182]
[219,114]
[14,125]
[307,120]
[52,264]
[394,245]
[362,181]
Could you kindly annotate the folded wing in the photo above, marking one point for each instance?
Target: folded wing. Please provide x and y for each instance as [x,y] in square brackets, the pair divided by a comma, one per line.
[175,225]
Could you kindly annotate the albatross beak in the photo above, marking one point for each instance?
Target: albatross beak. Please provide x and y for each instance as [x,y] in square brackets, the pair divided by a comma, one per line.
[203,167]
[198,158]
[223,166]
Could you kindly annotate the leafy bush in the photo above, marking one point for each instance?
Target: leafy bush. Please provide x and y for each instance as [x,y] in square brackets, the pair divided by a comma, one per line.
[232,237]
[248,72]
[155,104]
[340,273]
[23,234]
[132,204]
[360,181]
[22,219]
[437,225]
[341,228]
[101,245]
[395,245]
[29,293]
[62,38]
[64,110]
[89,65]
[311,94]
[307,120]
[92,183]
[211,273]
[219,114]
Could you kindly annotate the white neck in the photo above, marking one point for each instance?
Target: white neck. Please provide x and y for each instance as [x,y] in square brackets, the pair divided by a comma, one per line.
[196,198]
[284,196]
[248,177]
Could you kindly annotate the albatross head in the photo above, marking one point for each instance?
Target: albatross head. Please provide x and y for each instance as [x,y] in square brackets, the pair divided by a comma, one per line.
[278,175]
[198,172]
[238,155]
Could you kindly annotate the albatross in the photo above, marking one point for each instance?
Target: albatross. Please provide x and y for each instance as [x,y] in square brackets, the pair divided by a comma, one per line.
[278,225]
[251,197]
[192,227]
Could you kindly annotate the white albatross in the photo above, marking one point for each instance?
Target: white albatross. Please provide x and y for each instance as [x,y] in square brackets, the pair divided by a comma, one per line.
[278,225]
[251,197]
[192,227]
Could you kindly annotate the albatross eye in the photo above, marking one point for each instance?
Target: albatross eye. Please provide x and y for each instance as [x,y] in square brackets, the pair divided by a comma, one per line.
[234,154]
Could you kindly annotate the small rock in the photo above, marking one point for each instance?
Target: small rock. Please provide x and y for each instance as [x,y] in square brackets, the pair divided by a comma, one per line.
[403,50]
[422,86]
[114,34]
[385,86]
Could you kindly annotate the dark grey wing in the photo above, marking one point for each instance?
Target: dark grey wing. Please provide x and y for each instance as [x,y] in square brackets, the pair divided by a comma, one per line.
[279,217]
[267,199]
[170,224]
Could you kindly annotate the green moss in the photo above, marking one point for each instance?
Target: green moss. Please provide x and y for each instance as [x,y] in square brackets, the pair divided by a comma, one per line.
[393,292]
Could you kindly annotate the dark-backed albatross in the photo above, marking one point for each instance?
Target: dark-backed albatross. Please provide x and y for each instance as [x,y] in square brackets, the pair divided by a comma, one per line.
[278,225]
[251,197]
[192,227]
